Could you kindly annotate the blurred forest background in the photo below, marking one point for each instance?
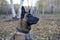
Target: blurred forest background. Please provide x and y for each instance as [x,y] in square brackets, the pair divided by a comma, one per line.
[48,26]
[48,5]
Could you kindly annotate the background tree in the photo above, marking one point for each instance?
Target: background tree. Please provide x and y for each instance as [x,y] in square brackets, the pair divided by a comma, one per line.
[12,8]
[19,9]
[3,6]
[42,4]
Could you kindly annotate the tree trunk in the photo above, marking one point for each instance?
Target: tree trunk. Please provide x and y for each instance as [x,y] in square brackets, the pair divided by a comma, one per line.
[12,8]
[19,10]
[43,11]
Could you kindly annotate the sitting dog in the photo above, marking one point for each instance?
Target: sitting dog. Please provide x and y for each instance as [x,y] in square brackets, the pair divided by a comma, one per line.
[24,25]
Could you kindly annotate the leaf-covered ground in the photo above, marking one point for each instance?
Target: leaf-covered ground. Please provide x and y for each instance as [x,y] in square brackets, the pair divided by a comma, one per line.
[47,25]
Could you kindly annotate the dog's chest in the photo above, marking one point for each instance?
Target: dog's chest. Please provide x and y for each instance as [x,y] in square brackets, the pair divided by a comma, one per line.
[23,25]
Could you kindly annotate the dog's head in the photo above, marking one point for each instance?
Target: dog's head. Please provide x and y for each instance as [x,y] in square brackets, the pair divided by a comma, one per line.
[32,19]
[28,17]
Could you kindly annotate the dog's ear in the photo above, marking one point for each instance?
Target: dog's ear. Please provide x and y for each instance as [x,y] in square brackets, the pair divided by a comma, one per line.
[29,11]
[23,10]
